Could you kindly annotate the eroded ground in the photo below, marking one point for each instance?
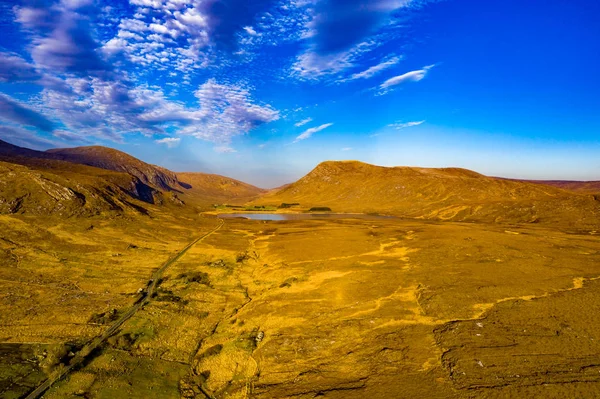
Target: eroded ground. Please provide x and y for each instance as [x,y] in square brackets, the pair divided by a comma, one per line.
[302,309]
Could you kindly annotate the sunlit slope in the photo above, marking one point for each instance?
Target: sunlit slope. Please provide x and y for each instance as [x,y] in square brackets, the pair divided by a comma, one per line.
[111,159]
[32,180]
[580,186]
[65,190]
[205,189]
[112,176]
[448,194]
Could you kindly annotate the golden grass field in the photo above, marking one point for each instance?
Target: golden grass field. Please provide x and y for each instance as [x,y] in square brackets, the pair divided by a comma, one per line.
[119,280]
[345,308]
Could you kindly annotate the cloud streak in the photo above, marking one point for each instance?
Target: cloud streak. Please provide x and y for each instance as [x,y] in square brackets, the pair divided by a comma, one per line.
[404,125]
[13,68]
[170,142]
[13,111]
[309,132]
[412,76]
[375,69]
[303,122]
[340,32]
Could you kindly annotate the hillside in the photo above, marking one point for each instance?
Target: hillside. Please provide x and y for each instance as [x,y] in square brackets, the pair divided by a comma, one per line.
[52,188]
[446,194]
[115,179]
[111,159]
[581,186]
[205,189]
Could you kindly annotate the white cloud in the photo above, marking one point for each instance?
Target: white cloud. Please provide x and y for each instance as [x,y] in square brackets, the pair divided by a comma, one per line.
[227,111]
[309,132]
[372,71]
[170,142]
[249,30]
[224,149]
[347,149]
[312,66]
[412,76]
[402,125]
[303,122]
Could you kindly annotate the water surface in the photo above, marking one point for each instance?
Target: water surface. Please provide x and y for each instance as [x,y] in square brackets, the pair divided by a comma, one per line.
[302,216]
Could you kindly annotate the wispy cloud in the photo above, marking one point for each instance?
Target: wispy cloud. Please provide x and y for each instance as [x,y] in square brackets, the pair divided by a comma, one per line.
[13,68]
[347,149]
[227,111]
[225,149]
[25,138]
[13,111]
[412,76]
[250,30]
[309,132]
[97,71]
[340,32]
[403,125]
[375,69]
[170,142]
[303,122]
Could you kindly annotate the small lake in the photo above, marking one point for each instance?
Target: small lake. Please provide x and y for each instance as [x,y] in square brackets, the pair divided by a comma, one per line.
[302,216]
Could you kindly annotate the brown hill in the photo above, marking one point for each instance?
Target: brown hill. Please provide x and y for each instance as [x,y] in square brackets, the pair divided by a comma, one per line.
[204,189]
[55,187]
[581,186]
[111,159]
[104,172]
[124,183]
[447,194]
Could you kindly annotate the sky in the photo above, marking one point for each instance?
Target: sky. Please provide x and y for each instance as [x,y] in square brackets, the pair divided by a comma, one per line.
[264,90]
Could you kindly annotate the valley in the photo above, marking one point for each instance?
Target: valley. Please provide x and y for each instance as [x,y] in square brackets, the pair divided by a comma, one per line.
[476,288]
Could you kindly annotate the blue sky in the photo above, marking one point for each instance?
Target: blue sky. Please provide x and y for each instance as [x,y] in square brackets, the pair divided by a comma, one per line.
[264,90]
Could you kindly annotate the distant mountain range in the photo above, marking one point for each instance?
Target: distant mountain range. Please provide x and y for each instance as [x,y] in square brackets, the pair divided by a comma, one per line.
[96,180]
[444,194]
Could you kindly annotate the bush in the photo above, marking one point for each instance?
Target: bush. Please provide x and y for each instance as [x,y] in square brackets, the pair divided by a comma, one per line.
[320,209]
[196,277]
[285,205]
[242,257]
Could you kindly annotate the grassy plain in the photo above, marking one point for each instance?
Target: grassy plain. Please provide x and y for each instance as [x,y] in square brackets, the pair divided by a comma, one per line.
[308,308]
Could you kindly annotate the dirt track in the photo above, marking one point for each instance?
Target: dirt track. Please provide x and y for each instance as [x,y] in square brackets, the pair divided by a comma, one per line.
[144,298]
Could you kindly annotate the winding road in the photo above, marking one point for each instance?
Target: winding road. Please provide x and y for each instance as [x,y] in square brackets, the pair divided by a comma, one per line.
[144,298]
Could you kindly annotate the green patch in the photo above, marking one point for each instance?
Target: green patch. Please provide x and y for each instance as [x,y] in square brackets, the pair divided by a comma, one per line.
[20,371]
[195,277]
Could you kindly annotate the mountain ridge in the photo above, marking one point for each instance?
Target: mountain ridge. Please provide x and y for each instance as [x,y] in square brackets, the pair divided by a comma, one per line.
[434,193]
[115,173]
[112,159]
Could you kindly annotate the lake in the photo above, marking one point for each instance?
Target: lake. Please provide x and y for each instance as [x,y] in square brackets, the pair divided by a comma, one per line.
[302,216]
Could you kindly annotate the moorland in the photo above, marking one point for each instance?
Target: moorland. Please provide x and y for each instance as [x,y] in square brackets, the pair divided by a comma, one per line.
[118,279]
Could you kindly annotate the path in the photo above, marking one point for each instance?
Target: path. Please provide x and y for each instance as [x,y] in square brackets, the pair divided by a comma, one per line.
[145,297]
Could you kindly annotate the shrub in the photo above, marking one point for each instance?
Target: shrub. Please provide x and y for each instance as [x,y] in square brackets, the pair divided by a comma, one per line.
[320,209]
[285,205]
[196,277]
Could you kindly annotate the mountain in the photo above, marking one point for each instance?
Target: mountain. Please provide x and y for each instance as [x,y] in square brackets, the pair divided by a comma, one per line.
[446,194]
[97,179]
[43,187]
[204,189]
[111,159]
